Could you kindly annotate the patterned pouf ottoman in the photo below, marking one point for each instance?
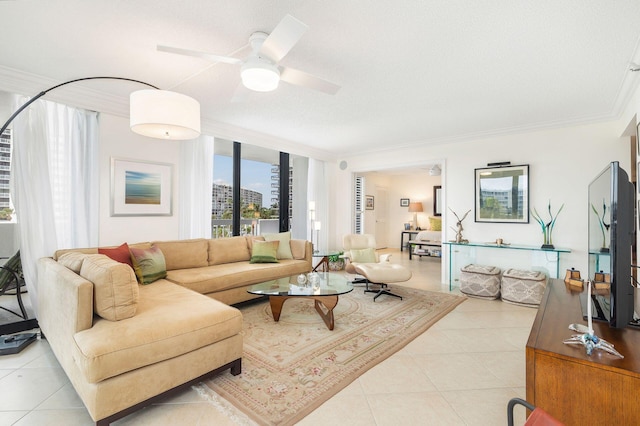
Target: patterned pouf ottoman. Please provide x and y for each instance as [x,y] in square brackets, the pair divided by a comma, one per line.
[523,287]
[480,281]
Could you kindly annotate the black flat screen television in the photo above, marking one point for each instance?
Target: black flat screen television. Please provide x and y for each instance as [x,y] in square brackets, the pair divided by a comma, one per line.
[611,234]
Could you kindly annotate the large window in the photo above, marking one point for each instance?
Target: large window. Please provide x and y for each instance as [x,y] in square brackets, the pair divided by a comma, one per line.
[260,190]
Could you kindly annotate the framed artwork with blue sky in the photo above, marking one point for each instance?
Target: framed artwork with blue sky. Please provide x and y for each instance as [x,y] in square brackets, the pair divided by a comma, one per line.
[140,188]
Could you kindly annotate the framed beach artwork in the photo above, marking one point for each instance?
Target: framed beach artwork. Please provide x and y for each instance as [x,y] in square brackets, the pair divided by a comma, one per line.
[140,188]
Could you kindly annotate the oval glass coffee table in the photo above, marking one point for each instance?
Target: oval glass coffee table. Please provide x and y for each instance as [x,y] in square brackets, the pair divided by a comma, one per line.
[324,293]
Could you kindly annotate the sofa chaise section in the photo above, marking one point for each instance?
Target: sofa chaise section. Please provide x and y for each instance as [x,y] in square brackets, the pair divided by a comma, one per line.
[176,336]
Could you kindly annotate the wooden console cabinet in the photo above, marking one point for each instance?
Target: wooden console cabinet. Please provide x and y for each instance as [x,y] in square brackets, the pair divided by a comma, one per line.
[575,388]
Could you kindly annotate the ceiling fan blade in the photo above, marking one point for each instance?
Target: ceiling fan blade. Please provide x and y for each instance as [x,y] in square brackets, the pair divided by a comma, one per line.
[198,54]
[301,78]
[285,35]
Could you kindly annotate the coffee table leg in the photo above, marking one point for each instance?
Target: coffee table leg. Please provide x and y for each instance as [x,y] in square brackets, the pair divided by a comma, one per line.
[329,302]
[276,303]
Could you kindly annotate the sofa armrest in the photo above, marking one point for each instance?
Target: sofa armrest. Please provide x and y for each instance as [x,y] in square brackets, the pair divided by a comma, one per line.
[65,300]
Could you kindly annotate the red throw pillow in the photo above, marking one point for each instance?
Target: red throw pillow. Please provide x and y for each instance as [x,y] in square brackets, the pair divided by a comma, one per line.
[119,254]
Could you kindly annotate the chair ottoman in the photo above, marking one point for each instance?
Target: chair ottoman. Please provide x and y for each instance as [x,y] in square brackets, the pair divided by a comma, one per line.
[480,281]
[382,274]
[523,288]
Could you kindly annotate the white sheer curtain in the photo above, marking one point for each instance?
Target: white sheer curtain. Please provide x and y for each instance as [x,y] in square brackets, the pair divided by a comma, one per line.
[318,183]
[55,182]
[196,185]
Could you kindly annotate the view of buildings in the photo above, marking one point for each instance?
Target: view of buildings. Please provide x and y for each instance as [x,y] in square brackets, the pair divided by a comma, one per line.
[223,199]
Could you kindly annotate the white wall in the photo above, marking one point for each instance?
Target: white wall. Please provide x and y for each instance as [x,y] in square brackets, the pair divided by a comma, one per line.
[562,163]
[117,140]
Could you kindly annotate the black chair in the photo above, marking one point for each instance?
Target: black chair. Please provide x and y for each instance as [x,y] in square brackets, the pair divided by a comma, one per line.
[12,283]
[538,416]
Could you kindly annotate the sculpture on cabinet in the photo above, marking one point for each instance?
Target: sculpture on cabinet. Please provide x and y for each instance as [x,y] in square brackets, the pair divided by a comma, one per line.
[459,227]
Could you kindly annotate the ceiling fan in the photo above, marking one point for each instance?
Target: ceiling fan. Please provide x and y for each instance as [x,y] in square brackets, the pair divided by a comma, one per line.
[260,70]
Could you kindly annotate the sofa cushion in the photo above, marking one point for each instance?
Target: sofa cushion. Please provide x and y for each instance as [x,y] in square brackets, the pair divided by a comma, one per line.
[149,264]
[72,260]
[284,249]
[227,250]
[298,248]
[265,252]
[119,254]
[171,321]
[115,289]
[237,274]
[184,253]
[253,238]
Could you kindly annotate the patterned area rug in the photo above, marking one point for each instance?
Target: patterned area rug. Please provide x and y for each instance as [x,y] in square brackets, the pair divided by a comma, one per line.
[291,367]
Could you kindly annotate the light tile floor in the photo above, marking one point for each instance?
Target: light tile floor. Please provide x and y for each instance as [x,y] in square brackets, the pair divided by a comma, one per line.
[462,371]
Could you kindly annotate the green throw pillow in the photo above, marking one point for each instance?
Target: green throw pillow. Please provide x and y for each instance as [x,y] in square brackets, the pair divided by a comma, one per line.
[284,249]
[367,255]
[149,264]
[264,252]
[435,223]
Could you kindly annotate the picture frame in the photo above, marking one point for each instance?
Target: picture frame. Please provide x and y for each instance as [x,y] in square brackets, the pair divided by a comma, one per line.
[502,194]
[141,188]
[368,202]
[404,202]
[437,200]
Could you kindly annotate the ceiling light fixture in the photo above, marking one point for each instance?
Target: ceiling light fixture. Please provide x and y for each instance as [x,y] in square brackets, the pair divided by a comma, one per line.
[260,75]
[435,170]
[154,113]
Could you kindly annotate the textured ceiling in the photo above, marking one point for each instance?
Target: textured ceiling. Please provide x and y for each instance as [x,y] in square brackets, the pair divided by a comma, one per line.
[411,71]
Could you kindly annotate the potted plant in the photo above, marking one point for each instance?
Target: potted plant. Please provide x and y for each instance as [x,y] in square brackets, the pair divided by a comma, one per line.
[5,214]
[336,263]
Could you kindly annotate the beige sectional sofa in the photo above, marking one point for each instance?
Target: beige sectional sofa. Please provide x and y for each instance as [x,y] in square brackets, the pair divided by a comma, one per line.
[124,345]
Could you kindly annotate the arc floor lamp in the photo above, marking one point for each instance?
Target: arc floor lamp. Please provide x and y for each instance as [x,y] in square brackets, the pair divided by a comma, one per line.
[153,112]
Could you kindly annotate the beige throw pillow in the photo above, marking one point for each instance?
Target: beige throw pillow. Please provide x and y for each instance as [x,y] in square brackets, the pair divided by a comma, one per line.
[72,260]
[284,249]
[115,289]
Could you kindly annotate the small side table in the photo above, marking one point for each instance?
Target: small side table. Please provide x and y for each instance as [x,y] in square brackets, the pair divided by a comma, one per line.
[410,234]
[324,261]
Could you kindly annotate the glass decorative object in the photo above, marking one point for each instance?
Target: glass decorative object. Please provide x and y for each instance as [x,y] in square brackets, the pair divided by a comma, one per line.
[588,339]
[302,279]
[547,227]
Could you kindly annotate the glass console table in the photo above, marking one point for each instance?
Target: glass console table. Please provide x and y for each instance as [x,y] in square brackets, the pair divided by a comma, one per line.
[531,258]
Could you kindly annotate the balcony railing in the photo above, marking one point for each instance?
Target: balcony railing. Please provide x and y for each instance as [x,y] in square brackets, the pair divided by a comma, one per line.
[222,228]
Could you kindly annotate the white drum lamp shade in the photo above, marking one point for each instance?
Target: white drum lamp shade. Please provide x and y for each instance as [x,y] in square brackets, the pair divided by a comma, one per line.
[164,114]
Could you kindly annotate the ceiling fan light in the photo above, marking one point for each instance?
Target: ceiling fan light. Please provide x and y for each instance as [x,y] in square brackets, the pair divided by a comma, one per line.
[260,76]
[164,114]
